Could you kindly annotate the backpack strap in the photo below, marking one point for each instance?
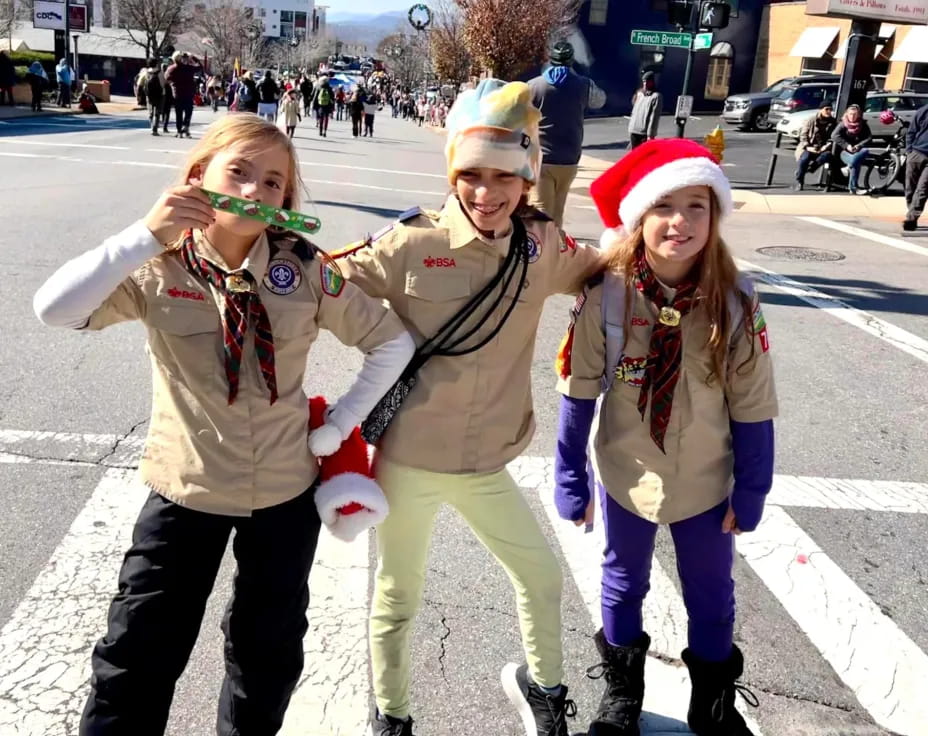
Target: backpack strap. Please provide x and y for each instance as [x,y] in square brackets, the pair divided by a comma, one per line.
[613,315]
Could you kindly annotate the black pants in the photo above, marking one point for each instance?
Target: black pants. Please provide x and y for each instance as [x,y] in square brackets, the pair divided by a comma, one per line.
[809,163]
[368,124]
[636,139]
[356,124]
[167,104]
[36,96]
[183,111]
[916,184]
[153,622]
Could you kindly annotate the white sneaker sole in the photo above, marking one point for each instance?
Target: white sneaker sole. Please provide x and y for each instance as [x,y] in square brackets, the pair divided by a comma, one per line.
[511,688]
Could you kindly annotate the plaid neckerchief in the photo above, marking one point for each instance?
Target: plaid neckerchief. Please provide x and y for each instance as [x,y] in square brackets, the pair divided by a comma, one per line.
[241,302]
[665,349]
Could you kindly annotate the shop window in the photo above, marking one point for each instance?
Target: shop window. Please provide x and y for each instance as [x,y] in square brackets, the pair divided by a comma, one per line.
[718,77]
[814,66]
[598,11]
[879,73]
[286,16]
[916,77]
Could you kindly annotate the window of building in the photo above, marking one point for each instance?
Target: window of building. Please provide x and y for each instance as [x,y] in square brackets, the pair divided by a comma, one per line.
[825,63]
[263,13]
[718,77]
[286,16]
[916,77]
[599,9]
[286,30]
[300,21]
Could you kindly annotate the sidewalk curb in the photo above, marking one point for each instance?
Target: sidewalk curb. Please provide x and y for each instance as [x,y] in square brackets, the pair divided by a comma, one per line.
[105,108]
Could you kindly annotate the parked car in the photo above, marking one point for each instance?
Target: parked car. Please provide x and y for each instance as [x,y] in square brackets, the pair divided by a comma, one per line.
[791,124]
[798,97]
[750,110]
[903,104]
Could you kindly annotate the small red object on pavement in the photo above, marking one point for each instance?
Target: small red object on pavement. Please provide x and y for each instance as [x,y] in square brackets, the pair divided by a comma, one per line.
[802,559]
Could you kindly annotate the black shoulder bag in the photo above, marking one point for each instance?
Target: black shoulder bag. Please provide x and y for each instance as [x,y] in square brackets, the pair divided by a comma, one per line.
[445,342]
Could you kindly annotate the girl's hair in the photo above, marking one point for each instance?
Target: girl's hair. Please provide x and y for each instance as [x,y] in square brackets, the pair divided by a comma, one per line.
[250,134]
[716,278]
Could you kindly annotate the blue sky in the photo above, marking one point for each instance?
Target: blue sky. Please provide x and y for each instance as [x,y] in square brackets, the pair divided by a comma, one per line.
[365,6]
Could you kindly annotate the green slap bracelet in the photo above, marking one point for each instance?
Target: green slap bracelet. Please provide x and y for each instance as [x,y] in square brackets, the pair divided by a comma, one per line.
[275,216]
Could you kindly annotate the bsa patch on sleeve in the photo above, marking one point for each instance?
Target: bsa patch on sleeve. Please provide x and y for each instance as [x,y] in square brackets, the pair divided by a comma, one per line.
[760,328]
[332,281]
[568,244]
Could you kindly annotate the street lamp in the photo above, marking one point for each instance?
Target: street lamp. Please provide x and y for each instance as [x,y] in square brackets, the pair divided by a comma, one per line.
[292,46]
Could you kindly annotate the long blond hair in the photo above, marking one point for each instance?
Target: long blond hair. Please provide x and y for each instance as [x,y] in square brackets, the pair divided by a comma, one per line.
[716,278]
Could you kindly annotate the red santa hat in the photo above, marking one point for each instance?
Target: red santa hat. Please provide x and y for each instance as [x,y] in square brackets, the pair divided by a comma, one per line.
[348,499]
[629,188]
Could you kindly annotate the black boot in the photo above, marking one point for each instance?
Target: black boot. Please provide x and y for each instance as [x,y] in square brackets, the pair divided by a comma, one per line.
[712,702]
[623,668]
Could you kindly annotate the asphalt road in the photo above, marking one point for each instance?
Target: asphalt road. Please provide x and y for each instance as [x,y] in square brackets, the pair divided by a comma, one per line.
[848,338]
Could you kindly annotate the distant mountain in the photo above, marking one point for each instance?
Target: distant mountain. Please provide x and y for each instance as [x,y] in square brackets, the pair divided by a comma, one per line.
[367,28]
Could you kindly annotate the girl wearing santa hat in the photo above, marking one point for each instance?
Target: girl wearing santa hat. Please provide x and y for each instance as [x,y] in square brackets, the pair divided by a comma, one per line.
[671,341]
[470,411]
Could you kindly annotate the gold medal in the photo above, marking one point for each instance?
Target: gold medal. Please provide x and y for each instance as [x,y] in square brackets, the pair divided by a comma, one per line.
[669,316]
[236,284]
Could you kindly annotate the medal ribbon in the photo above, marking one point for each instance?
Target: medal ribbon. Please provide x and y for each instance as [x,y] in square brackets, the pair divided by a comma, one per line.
[665,350]
[274,216]
[240,303]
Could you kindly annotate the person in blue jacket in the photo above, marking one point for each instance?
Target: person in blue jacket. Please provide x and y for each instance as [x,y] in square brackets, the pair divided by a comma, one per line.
[672,342]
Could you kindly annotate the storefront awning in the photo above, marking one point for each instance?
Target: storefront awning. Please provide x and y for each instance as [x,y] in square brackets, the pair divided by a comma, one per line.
[887,31]
[914,47]
[815,42]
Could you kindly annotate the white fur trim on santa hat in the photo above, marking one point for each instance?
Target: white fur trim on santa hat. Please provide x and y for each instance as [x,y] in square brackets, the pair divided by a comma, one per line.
[342,490]
[612,236]
[683,172]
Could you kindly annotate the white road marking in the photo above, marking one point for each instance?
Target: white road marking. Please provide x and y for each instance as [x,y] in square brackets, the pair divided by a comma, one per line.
[861,233]
[45,646]
[889,333]
[21,142]
[871,655]
[832,493]
[667,692]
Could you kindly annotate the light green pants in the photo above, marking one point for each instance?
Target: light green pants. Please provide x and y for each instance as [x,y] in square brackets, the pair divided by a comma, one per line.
[495,509]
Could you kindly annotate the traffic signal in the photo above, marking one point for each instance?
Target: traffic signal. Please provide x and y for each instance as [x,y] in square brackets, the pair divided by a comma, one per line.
[679,12]
[714,15]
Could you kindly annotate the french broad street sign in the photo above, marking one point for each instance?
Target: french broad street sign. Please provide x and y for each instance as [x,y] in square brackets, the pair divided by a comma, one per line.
[702,41]
[661,38]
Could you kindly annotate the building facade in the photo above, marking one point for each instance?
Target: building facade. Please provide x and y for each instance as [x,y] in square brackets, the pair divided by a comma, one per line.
[792,42]
[287,18]
[603,36]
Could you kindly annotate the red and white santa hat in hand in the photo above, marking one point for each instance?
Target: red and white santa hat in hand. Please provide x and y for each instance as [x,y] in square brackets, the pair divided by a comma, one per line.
[629,188]
[348,499]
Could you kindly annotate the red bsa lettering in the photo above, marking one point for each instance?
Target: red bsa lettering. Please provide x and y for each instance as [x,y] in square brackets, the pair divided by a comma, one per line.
[431,262]
[176,293]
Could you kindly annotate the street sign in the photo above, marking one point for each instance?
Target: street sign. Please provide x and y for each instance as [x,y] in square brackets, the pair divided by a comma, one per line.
[48,15]
[702,41]
[661,38]
[78,18]
[684,107]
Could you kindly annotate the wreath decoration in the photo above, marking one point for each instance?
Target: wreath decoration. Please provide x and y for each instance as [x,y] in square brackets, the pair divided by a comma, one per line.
[420,24]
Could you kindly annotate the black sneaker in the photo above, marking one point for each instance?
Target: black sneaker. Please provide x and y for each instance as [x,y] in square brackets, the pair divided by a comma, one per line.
[382,725]
[542,714]
[909,225]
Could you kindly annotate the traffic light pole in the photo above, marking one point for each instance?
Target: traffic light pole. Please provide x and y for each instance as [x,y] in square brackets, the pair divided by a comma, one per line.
[681,122]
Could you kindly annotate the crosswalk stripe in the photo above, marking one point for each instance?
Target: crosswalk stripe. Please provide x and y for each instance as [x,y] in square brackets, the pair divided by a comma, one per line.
[883,666]
[667,687]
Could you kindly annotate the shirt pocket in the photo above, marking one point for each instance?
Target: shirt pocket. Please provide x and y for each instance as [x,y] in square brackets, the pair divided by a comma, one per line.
[294,332]
[186,341]
[437,287]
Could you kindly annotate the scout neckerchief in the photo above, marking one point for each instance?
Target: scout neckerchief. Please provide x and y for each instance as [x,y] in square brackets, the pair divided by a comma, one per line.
[240,303]
[665,350]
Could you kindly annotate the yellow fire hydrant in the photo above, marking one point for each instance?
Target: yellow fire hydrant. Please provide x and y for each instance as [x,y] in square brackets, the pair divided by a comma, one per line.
[715,142]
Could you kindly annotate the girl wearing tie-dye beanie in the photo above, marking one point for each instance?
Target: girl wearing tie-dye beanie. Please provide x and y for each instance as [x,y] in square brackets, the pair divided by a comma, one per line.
[470,411]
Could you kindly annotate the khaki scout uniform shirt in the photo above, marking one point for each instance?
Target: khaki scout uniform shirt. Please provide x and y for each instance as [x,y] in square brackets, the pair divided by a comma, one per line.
[696,473]
[470,413]
[202,452]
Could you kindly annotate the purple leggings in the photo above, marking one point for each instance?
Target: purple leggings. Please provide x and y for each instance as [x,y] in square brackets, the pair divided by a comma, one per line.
[704,561]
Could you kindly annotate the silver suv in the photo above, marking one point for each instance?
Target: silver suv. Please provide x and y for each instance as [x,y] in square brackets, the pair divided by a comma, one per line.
[904,104]
[750,110]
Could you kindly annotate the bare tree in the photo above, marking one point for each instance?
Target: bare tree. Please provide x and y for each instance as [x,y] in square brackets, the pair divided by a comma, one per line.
[407,56]
[151,23]
[227,29]
[7,20]
[509,37]
[451,60]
